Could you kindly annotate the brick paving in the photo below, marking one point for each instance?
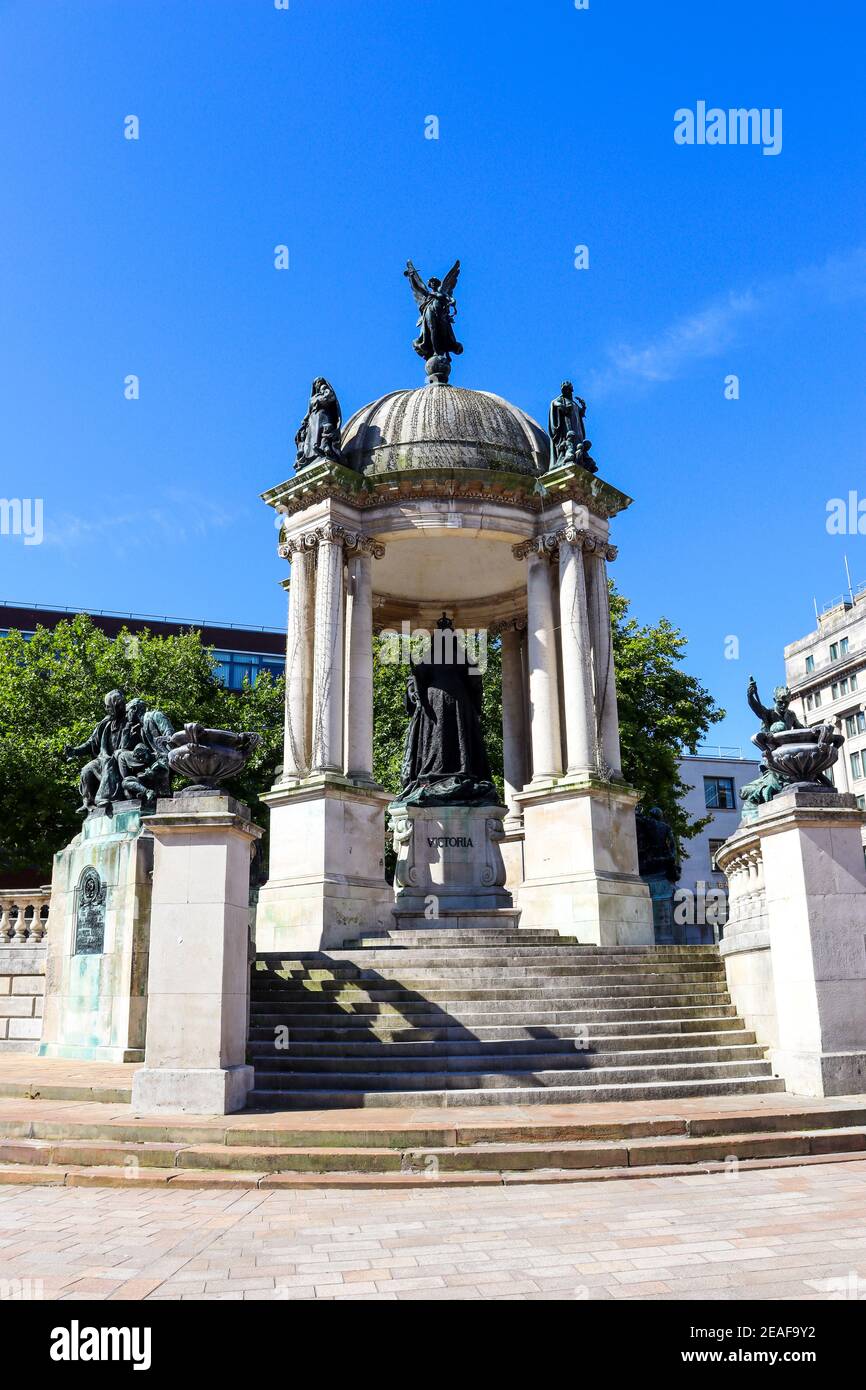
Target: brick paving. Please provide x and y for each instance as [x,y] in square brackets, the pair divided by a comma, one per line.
[794,1233]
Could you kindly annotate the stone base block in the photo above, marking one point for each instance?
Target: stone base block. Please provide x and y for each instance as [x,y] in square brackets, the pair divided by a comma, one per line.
[319,914]
[597,909]
[97,959]
[327,865]
[197,1091]
[503,919]
[449,858]
[821,1073]
[580,855]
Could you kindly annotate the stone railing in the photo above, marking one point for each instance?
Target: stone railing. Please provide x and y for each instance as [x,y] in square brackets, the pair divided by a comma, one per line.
[24,916]
[741,862]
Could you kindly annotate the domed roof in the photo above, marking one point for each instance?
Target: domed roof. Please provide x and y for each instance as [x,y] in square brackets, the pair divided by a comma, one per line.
[448,427]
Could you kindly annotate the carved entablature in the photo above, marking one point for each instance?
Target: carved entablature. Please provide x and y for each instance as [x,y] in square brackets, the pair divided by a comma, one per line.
[330,531]
[548,543]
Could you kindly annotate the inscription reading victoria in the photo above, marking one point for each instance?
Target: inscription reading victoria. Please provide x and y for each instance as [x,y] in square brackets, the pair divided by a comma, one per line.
[449,841]
[89,914]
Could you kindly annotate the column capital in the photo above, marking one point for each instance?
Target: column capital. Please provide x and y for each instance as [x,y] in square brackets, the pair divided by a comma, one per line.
[331,532]
[501,625]
[549,542]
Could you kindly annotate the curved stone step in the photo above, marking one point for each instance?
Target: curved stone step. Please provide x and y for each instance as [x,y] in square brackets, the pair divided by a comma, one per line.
[577,1059]
[324,1099]
[272,1077]
[387,1035]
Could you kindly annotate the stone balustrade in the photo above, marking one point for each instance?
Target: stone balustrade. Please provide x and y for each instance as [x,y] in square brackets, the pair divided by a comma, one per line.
[24,916]
[742,863]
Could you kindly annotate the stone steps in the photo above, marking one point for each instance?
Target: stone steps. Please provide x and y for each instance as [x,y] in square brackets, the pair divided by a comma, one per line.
[262,1039]
[41,1142]
[304,998]
[583,1070]
[463,1021]
[397,1053]
[262,1097]
[454,1018]
[387,1060]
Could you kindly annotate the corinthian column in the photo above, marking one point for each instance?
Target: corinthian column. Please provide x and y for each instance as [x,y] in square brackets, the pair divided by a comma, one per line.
[606,713]
[327,741]
[513,716]
[576,654]
[543,685]
[359,682]
[299,661]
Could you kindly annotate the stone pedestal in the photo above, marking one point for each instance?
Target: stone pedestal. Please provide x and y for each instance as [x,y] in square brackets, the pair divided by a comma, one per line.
[97,958]
[198,992]
[450,866]
[665,931]
[815,888]
[580,856]
[326,881]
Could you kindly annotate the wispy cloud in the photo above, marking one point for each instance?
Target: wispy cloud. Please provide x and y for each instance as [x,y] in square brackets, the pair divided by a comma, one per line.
[181,516]
[715,326]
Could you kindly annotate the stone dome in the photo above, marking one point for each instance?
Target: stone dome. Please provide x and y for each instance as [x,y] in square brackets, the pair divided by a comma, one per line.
[447,427]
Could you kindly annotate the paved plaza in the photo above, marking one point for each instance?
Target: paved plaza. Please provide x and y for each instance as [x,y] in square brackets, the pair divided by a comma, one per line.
[764,1234]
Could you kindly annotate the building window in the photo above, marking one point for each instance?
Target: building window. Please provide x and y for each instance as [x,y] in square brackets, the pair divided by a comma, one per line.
[809,702]
[715,846]
[861,802]
[233,667]
[850,725]
[843,686]
[817,699]
[810,664]
[834,651]
[843,647]
[854,682]
[719,793]
[861,723]
[834,691]
[856,770]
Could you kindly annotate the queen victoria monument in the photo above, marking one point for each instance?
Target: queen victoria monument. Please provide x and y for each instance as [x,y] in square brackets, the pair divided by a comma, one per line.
[441,510]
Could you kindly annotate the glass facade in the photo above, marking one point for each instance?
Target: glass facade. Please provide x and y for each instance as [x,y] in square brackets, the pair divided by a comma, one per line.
[234,667]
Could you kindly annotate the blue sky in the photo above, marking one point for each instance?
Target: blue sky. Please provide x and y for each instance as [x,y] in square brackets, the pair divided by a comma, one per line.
[306,127]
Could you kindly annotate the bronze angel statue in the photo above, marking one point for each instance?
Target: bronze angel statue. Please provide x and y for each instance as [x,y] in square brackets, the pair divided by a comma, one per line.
[436,341]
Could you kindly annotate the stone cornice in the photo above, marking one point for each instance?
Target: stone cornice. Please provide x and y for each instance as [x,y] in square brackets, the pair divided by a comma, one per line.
[331,532]
[579,485]
[548,543]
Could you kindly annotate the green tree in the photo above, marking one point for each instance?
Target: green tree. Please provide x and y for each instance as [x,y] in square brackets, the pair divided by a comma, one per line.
[663,711]
[51,693]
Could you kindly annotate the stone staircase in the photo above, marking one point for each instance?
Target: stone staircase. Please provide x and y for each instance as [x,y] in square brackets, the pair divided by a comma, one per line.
[430,1018]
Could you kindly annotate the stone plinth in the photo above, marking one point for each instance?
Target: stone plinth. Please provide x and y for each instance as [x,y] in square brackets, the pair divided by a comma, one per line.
[449,862]
[198,1004]
[97,957]
[326,880]
[580,856]
[815,889]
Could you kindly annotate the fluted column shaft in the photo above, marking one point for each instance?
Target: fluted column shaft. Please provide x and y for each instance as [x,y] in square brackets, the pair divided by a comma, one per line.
[543,683]
[606,712]
[359,683]
[513,717]
[327,740]
[299,666]
[576,659]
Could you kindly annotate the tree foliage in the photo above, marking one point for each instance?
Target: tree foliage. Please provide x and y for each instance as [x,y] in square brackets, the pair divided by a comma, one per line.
[51,693]
[52,688]
[663,712]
